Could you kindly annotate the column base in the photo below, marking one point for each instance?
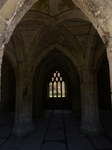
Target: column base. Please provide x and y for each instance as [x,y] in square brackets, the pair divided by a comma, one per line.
[23,129]
[91,130]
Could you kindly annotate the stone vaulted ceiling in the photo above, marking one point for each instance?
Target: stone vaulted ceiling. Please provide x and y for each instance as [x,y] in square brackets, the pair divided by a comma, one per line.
[49,25]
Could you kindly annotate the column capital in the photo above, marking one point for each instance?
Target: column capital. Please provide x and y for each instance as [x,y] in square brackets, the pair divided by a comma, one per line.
[25,70]
[87,74]
[85,67]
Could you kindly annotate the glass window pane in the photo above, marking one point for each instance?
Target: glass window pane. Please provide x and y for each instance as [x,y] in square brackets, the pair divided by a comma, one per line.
[59,90]
[58,74]
[50,89]
[56,79]
[54,74]
[63,89]
[56,86]
[55,89]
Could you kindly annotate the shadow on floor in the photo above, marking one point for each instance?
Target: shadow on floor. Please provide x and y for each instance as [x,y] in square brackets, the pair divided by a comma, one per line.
[56,130]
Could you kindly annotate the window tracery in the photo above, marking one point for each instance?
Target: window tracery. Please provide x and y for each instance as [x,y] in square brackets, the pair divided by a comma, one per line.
[56,86]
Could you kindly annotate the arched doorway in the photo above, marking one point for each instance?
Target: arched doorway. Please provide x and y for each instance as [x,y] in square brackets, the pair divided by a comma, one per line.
[45,72]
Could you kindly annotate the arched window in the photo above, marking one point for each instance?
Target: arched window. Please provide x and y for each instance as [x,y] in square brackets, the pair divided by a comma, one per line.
[56,86]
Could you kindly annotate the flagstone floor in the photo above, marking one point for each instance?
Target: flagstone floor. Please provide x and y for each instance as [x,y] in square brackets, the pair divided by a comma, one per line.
[56,130]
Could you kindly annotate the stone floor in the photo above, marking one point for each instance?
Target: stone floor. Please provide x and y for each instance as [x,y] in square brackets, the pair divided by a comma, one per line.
[56,130]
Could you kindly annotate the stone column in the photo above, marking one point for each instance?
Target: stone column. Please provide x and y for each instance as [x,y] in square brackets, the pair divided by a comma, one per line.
[76,102]
[37,96]
[23,115]
[90,124]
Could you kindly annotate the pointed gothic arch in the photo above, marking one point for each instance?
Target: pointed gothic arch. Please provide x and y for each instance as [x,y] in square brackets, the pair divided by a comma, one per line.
[99,13]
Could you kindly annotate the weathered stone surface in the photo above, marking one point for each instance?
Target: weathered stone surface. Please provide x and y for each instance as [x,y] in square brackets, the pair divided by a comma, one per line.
[1,54]
[2,3]
[90,124]
[10,12]
[2,26]
[55,26]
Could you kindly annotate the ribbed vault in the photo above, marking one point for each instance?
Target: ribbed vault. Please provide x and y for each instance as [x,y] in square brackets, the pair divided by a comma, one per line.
[49,35]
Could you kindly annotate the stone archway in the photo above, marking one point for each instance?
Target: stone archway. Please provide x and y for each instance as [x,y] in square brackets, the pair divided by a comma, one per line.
[64,65]
[99,14]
